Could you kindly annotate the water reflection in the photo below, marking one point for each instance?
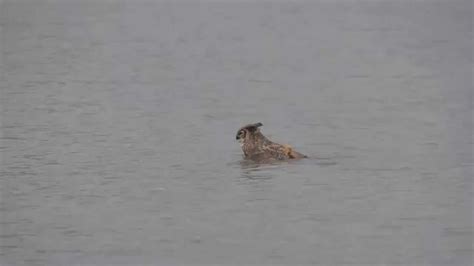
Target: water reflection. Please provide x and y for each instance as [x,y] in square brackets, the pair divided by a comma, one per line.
[253,170]
[256,171]
[258,179]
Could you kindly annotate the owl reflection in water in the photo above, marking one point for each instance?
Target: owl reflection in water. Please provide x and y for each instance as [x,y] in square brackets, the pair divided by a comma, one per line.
[258,148]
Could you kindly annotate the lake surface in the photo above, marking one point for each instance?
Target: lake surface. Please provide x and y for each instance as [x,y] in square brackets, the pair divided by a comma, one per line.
[118,123]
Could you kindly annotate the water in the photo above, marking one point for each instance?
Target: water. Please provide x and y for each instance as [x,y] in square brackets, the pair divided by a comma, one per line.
[118,132]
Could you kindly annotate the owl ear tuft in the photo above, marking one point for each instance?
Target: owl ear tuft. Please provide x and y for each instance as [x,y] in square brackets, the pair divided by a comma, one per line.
[254,127]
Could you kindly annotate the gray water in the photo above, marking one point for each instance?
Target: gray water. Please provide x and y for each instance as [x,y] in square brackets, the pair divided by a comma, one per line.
[118,124]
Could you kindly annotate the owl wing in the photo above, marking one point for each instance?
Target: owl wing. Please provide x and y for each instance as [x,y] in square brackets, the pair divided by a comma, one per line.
[282,152]
[277,151]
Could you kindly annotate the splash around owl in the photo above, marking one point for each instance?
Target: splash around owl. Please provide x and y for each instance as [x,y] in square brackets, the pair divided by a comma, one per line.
[259,148]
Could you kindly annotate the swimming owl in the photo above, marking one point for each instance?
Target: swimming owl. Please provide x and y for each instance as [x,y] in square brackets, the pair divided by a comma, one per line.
[259,148]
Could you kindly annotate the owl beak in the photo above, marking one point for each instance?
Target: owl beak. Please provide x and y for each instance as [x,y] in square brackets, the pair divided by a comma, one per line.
[237,137]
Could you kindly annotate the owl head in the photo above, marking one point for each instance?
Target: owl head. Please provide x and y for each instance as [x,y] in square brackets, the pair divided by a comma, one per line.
[246,132]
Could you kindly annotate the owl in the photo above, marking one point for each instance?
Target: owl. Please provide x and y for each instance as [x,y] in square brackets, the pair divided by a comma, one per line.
[257,147]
